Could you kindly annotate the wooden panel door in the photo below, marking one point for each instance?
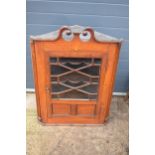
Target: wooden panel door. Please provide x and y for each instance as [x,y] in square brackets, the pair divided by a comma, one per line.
[73,86]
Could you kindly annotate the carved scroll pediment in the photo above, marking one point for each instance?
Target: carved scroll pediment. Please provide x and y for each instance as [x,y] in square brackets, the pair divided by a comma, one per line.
[69,32]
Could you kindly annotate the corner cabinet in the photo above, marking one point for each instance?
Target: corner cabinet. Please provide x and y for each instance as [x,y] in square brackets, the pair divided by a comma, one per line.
[74,72]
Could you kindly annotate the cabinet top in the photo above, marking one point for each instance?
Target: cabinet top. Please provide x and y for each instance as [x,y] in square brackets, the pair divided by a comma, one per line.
[68,32]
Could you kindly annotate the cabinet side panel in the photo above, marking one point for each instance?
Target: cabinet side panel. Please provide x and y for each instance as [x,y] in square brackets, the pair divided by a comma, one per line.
[40,66]
[115,50]
[106,94]
[34,67]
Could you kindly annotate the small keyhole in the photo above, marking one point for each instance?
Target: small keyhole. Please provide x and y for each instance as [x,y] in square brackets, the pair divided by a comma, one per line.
[47,89]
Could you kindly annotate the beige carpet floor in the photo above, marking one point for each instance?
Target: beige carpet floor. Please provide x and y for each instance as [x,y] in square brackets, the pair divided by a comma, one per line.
[108,139]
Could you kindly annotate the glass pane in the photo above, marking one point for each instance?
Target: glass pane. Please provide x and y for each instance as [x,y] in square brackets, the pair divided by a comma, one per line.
[74,78]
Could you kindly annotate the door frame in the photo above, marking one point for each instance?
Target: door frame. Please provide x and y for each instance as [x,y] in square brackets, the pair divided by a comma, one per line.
[73,119]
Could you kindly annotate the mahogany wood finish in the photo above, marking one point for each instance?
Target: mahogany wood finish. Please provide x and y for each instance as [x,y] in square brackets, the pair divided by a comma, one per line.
[53,107]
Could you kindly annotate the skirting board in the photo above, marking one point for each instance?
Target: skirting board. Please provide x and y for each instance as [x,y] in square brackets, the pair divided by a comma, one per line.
[31,90]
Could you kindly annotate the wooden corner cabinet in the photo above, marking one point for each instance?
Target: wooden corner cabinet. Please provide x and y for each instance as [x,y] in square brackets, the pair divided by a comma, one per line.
[74,72]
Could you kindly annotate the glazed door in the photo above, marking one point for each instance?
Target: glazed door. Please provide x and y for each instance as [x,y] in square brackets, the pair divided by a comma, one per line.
[73,88]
